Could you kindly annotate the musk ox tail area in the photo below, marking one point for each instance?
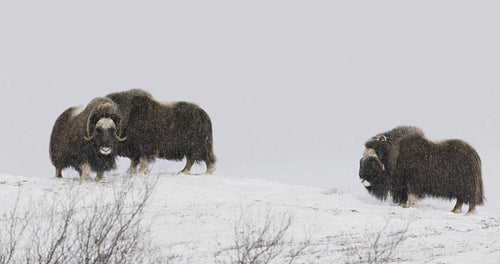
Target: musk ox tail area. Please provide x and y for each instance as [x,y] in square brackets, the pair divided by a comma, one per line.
[479,191]
[192,135]
[209,143]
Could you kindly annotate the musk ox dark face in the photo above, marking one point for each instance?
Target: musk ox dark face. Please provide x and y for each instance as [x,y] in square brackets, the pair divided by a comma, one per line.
[102,130]
[104,136]
[373,174]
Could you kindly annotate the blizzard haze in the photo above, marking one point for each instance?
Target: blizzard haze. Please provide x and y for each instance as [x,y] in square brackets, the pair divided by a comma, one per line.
[293,88]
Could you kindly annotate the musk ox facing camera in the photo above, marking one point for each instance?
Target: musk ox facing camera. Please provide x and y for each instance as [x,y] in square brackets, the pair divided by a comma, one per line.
[85,138]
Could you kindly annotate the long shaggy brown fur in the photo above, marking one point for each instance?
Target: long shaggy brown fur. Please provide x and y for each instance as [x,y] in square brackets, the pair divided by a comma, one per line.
[449,169]
[376,169]
[68,146]
[412,166]
[168,131]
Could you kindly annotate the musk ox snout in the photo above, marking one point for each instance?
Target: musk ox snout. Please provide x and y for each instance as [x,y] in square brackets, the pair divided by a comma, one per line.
[105,150]
[366,183]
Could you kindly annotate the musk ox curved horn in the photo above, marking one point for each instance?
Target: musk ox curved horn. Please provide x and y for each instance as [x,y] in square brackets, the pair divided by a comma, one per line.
[119,138]
[90,137]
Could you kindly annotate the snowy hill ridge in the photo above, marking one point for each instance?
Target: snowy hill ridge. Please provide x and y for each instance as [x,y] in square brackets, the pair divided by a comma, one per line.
[197,219]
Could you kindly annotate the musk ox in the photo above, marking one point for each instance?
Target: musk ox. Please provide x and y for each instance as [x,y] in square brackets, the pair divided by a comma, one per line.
[448,169]
[85,138]
[158,130]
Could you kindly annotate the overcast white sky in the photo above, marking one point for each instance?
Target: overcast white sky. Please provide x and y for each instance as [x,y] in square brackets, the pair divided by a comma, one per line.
[294,88]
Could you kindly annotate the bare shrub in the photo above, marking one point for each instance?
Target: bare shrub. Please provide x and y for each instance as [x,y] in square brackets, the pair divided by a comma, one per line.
[73,228]
[377,247]
[267,239]
[11,233]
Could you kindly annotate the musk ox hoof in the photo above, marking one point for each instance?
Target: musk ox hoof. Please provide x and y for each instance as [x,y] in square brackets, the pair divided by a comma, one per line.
[144,171]
[407,205]
[132,171]
[58,173]
[184,172]
[99,177]
[210,170]
[471,212]
[456,211]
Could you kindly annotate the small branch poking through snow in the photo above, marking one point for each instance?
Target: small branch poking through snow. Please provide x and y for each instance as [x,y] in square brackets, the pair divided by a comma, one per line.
[13,229]
[263,240]
[379,246]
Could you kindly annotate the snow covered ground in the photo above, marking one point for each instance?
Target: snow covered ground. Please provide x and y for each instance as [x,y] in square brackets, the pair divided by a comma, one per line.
[194,219]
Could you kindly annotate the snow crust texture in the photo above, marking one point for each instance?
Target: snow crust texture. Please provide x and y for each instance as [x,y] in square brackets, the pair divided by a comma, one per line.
[197,219]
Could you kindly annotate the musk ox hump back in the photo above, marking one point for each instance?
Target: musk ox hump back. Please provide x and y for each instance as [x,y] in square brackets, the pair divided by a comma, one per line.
[386,144]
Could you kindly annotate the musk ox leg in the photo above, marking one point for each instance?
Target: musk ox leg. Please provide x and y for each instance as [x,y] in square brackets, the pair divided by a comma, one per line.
[411,201]
[210,167]
[133,166]
[187,168]
[100,176]
[144,168]
[458,207]
[472,208]
[58,173]
[85,171]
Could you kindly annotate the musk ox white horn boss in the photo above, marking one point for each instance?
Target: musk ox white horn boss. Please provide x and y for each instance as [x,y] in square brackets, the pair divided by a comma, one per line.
[168,131]
[417,167]
[85,138]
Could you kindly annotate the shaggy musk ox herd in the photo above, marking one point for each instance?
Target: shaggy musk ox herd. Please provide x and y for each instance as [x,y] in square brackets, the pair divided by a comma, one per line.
[401,162]
[134,125]
[405,164]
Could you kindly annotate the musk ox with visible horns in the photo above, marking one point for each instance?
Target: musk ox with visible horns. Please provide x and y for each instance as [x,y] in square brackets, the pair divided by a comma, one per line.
[158,130]
[85,138]
[418,167]
[379,158]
